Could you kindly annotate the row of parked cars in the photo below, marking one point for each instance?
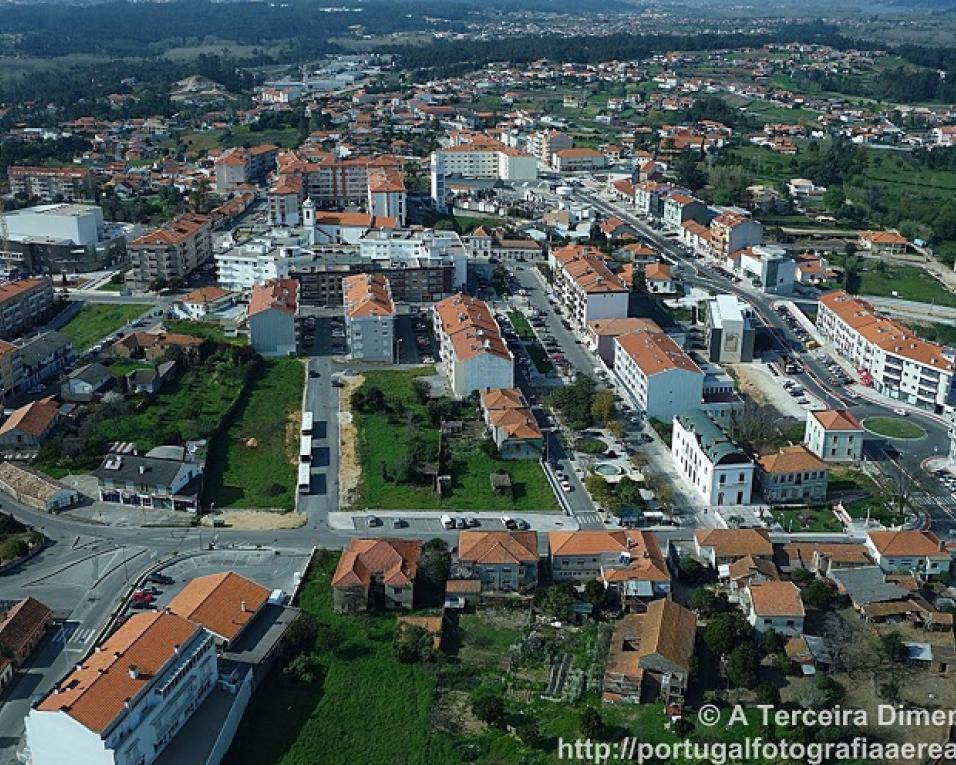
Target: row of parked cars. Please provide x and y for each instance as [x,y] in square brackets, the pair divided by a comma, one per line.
[797,328]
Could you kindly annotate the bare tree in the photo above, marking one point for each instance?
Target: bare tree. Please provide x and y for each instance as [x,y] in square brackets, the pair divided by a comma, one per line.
[753,424]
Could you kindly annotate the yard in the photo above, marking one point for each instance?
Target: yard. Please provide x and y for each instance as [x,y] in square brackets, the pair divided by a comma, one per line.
[384,446]
[252,459]
[806,519]
[97,320]
[206,330]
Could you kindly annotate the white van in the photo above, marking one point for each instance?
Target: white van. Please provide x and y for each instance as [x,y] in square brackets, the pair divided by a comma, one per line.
[448,522]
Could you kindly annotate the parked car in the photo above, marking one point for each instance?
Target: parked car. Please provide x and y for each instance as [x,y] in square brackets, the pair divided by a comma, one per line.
[373,521]
[159,578]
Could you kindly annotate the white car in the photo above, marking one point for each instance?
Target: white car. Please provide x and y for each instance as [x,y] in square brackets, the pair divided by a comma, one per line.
[900,411]
[566,487]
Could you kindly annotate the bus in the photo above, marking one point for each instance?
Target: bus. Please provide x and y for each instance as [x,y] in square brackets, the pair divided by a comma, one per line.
[305,449]
[307,418]
[305,479]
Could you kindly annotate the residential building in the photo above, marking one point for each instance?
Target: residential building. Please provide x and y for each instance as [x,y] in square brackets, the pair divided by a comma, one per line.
[908,551]
[24,303]
[680,208]
[767,267]
[22,627]
[84,382]
[42,358]
[369,317]
[890,357]
[775,606]
[170,253]
[656,375]
[124,702]
[71,184]
[696,236]
[720,401]
[11,369]
[240,166]
[732,231]
[513,426]
[202,302]
[418,246]
[376,572]
[386,194]
[28,426]
[649,659]
[224,604]
[883,242]
[34,489]
[660,279]
[155,345]
[792,475]
[272,317]
[600,334]
[478,156]
[500,560]
[578,160]
[627,561]
[165,478]
[474,355]
[730,330]
[721,547]
[585,286]
[834,435]
[718,469]
[542,144]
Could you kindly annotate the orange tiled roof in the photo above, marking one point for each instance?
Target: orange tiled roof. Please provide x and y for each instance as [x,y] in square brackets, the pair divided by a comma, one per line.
[395,560]
[222,603]
[367,295]
[791,459]
[280,294]
[655,352]
[836,419]
[498,547]
[20,623]
[907,543]
[735,542]
[34,418]
[776,599]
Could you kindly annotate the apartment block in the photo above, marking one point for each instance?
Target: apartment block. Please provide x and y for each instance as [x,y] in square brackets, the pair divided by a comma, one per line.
[732,231]
[23,304]
[585,285]
[656,375]
[718,469]
[369,317]
[473,353]
[52,184]
[730,330]
[171,252]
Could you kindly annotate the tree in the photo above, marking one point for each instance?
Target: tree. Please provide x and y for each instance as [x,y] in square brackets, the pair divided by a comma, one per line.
[603,406]
[556,600]
[486,704]
[706,602]
[820,594]
[691,571]
[772,642]
[767,694]
[412,643]
[594,592]
[801,577]
[892,647]
[639,280]
[592,724]
[833,198]
[616,428]
[434,561]
[753,424]
[743,666]
[304,668]
[725,631]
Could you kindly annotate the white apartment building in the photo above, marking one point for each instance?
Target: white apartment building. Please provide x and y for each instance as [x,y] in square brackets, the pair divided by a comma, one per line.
[254,262]
[679,208]
[578,160]
[767,267]
[834,435]
[585,286]
[543,143]
[386,194]
[125,702]
[716,467]
[369,317]
[478,156]
[473,353]
[732,231]
[730,330]
[889,356]
[656,375]
[425,245]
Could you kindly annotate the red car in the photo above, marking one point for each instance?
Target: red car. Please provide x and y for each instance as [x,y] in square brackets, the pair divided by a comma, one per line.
[141,596]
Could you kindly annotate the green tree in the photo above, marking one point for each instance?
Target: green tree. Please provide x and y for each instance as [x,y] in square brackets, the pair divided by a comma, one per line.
[820,594]
[725,631]
[592,724]
[487,705]
[892,647]
[743,666]
[707,603]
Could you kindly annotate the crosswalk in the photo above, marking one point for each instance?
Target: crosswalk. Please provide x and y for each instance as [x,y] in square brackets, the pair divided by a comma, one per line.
[71,636]
[929,500]
[589,519]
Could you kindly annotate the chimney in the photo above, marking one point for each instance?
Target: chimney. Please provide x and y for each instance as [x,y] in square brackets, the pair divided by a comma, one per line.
[134,671]
[242,606]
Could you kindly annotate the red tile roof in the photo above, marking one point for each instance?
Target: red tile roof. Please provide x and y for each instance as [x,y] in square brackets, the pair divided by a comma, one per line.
[223,603]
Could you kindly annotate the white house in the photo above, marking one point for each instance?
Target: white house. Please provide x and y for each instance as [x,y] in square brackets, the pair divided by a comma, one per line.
[660,279]
[908,551]
[656,375]
[716,467]
[203,301]
[775,606]
[629,561]
[767,267]
[473,353]
[834,435]
[271,315]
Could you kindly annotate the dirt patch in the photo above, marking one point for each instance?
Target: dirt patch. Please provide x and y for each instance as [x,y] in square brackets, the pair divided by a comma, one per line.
[350,466]
[257,520]
[746,384]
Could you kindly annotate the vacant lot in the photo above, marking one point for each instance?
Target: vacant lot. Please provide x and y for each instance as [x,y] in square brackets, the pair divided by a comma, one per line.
[206,330]
[908,282]
[252,460]
[96,321]
[383,444]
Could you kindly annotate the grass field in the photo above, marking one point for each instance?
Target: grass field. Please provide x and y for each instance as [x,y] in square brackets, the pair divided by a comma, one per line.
[893,427]
[383,442]
[908,282]
[807,519]
[206,330]
[96,320]
[263,475]
[240,135]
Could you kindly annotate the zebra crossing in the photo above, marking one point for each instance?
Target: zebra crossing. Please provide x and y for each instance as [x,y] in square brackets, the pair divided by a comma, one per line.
[71,636]
[928,500]
[589,520]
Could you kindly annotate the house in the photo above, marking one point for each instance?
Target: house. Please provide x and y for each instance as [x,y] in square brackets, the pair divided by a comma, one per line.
[27,427]
[834,435]
[271,315]
[656,375]
[660,279]
[908,551]
[731,231]
[883,242]
[600,334]
[743,571]
[650,655]
[462,593]
[369,317]
[126,700]
[500,560]
[804,188]
[83,383]
[199,304]
[585,287]
[150,381]
[628,561]
[767,267]
[866,586]
[729,329]
[376,572]
[775,606]
[41,359]
[718,469]
[719,547]
[155,345]
[821,557]
[166,478]
[224,604]
[513,427]
[679,208]
[22,627]
[793,474]
[474,355]
[34,489]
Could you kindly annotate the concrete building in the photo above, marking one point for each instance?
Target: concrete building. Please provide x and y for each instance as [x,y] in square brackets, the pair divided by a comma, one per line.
[369,317]
[376,571]
[627,561]
[718,469]
[474,356]
[578,160]
[659,278]
[680,208]
[43,358]
[24,303]
[387,197]
[512,424]
[477,156]
[225,604]
[656,375]
[34,489]
[240,166]
[730,330]
[500,560]
[11,369]
[170,253]
[890,357]
[774,606]
[834,435]
[767,267]
[417,246]
[793,475]
[601,333]
[331,181]
[52,184]
[272,317]
[28,426]
[585,287]
[203,302]
[165,478]
[904,552]
[732,231]
[125,702]
[544,143]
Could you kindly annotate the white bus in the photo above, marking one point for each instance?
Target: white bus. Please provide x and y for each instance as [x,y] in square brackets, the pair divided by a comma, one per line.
[307,418]
[305,449]
[305,478]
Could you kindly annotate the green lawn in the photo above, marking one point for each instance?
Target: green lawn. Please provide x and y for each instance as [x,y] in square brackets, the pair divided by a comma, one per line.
[383,442]
[261,475]
[97,320]
[908,282]
[539,356]
[240,135]
[944,334]
[893,427]
[206,330]
[807,519]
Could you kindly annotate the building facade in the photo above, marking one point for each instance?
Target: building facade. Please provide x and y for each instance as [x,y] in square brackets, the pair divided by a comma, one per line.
[717,468]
